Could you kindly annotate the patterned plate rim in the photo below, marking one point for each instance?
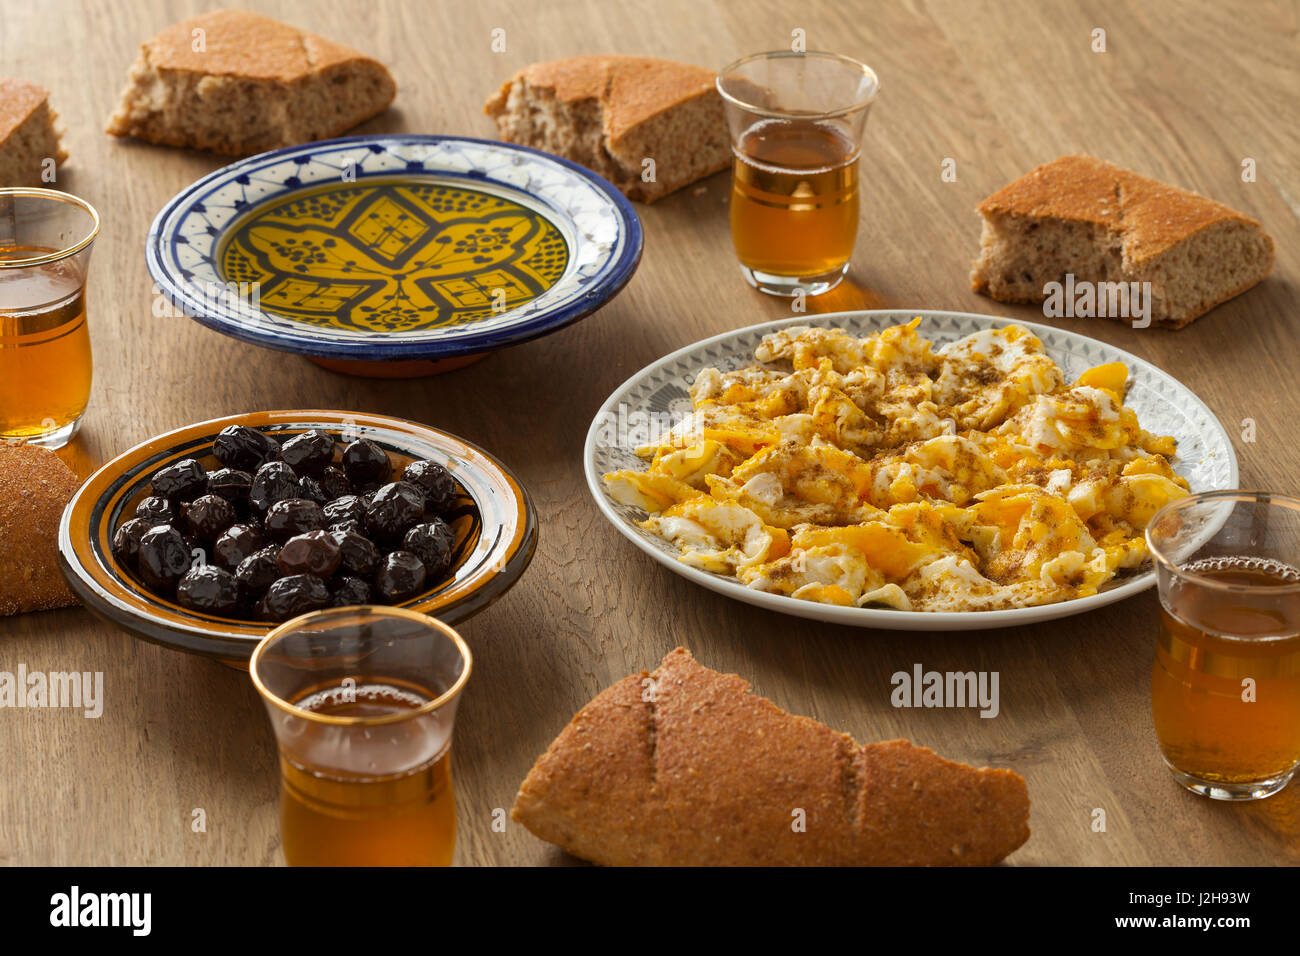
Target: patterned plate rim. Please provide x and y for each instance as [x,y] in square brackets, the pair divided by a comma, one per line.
[883,618]
[498,568]
[613,275]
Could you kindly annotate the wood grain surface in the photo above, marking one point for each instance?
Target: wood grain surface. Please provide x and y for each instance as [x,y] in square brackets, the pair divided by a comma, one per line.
[1184,92]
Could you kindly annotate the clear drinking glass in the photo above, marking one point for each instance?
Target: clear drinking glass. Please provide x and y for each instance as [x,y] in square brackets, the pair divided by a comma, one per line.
[1225,688]
[45,366]
[796,122]
[362,701]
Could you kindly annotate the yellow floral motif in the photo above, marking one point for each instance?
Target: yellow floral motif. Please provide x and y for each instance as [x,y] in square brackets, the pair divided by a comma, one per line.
[394,256]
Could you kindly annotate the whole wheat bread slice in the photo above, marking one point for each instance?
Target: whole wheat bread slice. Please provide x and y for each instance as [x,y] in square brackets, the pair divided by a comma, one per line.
[236,83]
[29,134]
[1101,223]
[35,485]
[613,113]
[685,767]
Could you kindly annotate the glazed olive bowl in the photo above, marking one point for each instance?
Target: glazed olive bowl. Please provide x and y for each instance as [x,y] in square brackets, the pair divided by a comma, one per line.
[493,520]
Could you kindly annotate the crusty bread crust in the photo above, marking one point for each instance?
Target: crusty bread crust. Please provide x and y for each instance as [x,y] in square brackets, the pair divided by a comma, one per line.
[238,43]
[18,100]
[253,84]
[29,133]
[632,89]
[35,484]
[610,113]
[685,767]
[1072,187]
[1151,215]
[1102,223]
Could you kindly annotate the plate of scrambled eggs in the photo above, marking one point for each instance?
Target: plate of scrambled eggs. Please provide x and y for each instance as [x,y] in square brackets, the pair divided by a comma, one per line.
[903,470]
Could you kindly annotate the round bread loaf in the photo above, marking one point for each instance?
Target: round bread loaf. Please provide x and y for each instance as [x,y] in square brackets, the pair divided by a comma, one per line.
[34,487]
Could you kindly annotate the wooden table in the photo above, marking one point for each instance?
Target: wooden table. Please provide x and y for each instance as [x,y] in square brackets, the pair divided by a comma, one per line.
[1183,92]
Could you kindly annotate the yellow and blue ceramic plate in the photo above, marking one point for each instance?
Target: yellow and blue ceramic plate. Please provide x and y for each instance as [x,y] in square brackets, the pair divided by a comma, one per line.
[495,526]
[397,248]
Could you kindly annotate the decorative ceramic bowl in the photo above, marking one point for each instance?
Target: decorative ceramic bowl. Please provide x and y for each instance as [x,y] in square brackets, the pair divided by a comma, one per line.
[496,527]
[402,249]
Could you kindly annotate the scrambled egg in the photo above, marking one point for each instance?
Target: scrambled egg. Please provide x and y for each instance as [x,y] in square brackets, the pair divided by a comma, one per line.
[887,472]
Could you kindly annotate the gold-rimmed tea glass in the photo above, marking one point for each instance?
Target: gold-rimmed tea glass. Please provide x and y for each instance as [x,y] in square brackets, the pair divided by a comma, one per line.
[46,238]
[1225,687]
[796,122]
[362,701]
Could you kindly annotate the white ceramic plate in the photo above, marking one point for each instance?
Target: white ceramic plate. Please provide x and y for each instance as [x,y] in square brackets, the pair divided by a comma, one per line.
[658,393]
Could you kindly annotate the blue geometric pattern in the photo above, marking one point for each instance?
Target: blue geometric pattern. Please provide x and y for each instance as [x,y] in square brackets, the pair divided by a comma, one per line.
[600,227]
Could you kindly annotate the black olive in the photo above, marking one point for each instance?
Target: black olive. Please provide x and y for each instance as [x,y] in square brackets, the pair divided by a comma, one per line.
[244,448]
[238,542]
[208,588]
[348,524]
[163,558]
[400,577]
[191,541]
[358,554]
[274,481]
[334,483]
[349,591]
[432,543]
[309,452]
[435,481]
[126,540]
[208,516]
[258,609]
[315,552]
[157,510]
[294,595]
[182,480]
[310,489]
[394,509]
[347,508]
[257,572]
[292,516]
[230,484]
[366,463]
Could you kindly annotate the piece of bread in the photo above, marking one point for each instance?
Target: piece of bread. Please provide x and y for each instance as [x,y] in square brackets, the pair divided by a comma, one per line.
[29,134]
[237,83]
[34,486]
[684,767]
[1100,223]
[612,113]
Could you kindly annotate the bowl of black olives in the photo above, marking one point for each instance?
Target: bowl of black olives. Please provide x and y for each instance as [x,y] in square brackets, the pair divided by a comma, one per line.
[206,537]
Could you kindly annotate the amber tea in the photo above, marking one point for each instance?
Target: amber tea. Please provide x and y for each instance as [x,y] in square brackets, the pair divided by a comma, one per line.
[45,364]
[794,197]
[363,701]
[1225,688]
[795,121]
[368,817]
[45,244]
